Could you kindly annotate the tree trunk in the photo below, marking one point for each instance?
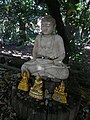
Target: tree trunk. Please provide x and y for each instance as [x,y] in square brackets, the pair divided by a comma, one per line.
[22,29]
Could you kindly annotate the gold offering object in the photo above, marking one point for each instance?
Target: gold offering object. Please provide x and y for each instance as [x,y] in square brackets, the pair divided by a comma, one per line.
[36,91]
[59,94]
[23,85]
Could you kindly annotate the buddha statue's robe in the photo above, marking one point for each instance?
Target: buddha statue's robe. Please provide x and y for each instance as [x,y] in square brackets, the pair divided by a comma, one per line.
[48,54]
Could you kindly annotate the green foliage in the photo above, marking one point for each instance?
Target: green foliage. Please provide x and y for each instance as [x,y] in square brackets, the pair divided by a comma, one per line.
[77,22]
[18,22]
[19,18]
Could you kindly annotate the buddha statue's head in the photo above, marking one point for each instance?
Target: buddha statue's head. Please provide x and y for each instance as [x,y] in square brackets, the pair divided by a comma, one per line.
[48,25]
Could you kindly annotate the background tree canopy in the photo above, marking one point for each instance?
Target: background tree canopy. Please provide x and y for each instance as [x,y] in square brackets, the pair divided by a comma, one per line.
[18,22]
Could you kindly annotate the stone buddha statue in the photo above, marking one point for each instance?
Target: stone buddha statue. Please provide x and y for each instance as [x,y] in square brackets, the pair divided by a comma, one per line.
[48,53]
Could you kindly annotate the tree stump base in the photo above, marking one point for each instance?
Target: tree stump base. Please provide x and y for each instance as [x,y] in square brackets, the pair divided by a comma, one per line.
[28,108]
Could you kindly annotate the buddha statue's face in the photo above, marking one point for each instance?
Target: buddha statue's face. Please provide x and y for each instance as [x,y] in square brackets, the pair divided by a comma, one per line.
[47,27]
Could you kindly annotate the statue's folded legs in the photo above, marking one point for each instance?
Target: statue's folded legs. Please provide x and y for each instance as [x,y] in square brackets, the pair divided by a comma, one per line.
[49,70]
